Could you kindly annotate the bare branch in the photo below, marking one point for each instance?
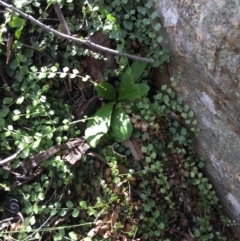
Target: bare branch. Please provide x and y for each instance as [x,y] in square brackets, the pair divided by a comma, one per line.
[61,19]
[76,40]
[10,158]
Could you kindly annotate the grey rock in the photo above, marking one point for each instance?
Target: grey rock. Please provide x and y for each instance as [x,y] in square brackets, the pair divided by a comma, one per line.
[204,39]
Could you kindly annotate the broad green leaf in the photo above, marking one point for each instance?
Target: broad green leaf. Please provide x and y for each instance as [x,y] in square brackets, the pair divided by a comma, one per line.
[106,91]
[121,125]
[134,72]
[99,125]
[129,90]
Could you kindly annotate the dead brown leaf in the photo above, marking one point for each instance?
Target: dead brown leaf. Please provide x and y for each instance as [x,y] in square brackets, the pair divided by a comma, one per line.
[135,148]
[122,169]
[188,237]
[114,218]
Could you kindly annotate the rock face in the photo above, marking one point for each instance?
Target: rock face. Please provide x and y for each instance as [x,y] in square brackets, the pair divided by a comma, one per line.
[204,38]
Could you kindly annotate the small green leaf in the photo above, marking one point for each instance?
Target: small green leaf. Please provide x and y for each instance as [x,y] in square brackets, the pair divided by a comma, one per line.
[156,214]
[184,115]
[15,117]
[158,96]
[87,239]
[162,190]
[35,208]
[63,75]
[41,195]
[186,108]
[154,15]
[2,122]
[21,58]
[160,39]
[75,213]
[17,22]
[36,143]
[128,25]
[157,26]
[164,87]
[149,4]
[152,35]
[194,122]
[161,226]
[73,236]
[106,91]
[144,149]
[18,32]
[166,99]
[4,112]
[32,220]
[201,164]
[121,125]
[99,125]
[141,10]
[69,204]
[63,212]
[20,100]
[51,75]
[191,114]
[197,233]
[146,21]
[147,208]
[83,204]
[7,100]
